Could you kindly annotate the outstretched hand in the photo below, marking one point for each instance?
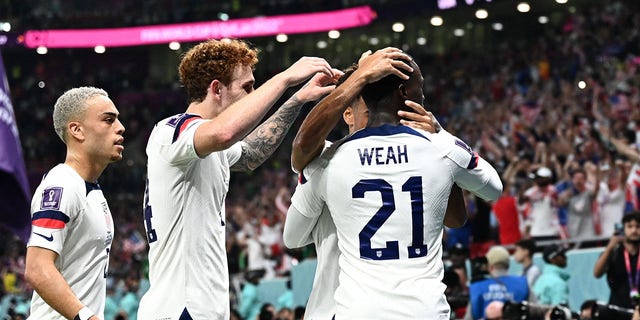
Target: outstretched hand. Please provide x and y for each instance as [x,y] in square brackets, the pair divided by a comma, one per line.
[420,119]
[384,62]
[318,86]
[306,67]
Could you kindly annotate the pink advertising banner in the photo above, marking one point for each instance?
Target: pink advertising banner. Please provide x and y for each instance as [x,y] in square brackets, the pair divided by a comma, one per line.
[197,31]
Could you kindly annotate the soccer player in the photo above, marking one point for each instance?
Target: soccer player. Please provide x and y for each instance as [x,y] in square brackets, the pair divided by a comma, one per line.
[387,197]
[190,156]
[323,234]
[72,229]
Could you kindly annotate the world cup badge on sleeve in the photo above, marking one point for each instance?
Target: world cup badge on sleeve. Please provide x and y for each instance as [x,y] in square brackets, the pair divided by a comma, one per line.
[51,198]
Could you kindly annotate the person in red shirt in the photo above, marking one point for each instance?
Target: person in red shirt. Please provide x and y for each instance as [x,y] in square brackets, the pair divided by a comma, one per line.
[506,212]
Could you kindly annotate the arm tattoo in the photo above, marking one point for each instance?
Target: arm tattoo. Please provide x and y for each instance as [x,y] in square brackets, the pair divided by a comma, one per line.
[266,138]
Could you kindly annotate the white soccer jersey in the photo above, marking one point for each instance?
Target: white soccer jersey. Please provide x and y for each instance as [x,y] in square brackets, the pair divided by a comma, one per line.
[321,304]
[71,217]
[184,218]
[387,189]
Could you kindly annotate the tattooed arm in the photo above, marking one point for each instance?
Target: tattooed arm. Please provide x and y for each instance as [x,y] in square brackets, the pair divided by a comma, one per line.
[260,144]
[238,119]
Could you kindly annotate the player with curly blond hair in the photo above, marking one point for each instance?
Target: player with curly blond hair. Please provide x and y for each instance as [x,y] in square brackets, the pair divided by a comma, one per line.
[190,156]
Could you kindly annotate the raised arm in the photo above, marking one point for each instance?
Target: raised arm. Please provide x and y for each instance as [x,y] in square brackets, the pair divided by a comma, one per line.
[235,122]
[42,274]
[315,128]
[260,144]
[602,264]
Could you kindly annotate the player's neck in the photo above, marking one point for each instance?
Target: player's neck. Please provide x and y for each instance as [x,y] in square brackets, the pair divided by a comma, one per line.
[205,109]
[380,118]
[86,168]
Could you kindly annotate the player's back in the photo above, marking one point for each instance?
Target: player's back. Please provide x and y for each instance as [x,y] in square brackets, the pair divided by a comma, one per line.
[184,220]
[387,190]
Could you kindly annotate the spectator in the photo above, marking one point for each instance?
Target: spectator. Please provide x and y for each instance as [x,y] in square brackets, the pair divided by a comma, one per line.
[250,303]
[610,198]
[552,286]
[130,301]
[298,313]
[499,286]
[266,312]
[579,200]
[285,314]
[524,255]
[506,207]
[456,292]
[586,309]
[285,300]
[541,211]
[618,261]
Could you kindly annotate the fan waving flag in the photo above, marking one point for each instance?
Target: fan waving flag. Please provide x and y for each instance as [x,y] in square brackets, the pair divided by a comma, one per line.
[14,189]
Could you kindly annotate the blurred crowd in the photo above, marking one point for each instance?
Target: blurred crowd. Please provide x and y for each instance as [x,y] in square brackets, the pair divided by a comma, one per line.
[544,109]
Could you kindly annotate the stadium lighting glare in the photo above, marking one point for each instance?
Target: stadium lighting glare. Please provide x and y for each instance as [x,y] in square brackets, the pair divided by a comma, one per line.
[99,49]
[397,27]
[458,32]
[497,26]
[334,34]
[523,7]
[543,19]
[436,21]
[582,85]
[282,37]
[173,45]
[374,41]
[5,26]
[223,16]
[482,14]
[42,50]
[561,1]
[421,41]
[321,44]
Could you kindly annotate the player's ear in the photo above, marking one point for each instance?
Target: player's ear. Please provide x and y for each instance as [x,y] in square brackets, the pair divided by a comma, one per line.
[347,115]
[215,86]
[75,131]
[403,92]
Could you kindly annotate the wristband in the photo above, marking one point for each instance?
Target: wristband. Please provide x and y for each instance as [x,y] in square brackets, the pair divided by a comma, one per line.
[84,314]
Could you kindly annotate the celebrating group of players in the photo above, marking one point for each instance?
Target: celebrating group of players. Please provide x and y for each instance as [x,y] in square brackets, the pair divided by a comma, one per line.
[375,203]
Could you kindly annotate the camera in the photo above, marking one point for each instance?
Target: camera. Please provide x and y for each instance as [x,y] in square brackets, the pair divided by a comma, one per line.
[524,310]
[531,311]
[601,311]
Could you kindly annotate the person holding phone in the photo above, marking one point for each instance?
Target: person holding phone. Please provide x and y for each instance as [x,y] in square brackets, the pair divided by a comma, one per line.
[621,264]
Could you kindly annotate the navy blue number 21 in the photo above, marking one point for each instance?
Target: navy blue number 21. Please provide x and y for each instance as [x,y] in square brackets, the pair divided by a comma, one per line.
[151,232]
[391,251]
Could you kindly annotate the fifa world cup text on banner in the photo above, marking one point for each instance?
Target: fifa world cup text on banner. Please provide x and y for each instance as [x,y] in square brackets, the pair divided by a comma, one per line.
[14,211]
[187,32]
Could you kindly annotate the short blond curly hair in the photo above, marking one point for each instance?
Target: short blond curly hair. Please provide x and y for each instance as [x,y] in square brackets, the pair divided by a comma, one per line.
[213,59]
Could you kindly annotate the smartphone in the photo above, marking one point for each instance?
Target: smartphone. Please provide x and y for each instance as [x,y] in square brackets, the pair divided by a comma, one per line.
[618,229]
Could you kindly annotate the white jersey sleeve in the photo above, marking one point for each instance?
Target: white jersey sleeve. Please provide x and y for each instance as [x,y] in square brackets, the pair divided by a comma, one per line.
[310,194]
[234,153]
[298,225]
[53,206]
[180,150]
[473,173]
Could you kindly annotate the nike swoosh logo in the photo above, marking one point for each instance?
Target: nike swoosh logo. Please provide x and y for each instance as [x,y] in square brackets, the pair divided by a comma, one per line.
[49,238]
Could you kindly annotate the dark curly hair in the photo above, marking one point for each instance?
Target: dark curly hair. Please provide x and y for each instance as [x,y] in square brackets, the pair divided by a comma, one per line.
[213,59]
